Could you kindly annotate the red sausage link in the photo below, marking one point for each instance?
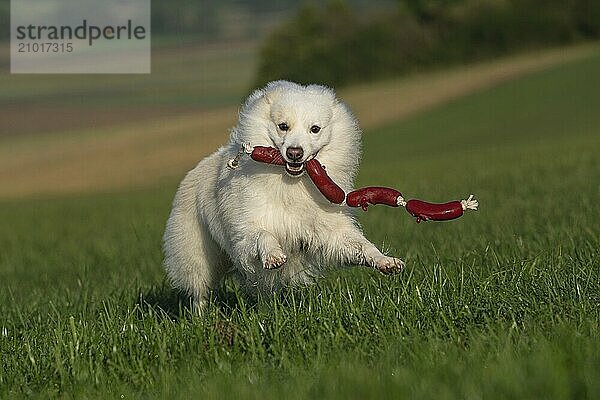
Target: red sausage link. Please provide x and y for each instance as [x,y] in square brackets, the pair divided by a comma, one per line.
[422,210]
[425,211]
[324,183]
[373,195]
[267,155]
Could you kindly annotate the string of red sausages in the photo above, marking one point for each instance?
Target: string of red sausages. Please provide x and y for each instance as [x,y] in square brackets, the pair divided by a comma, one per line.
[421,210]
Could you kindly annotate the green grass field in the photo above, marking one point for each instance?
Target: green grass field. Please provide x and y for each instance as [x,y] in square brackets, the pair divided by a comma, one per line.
[503,303]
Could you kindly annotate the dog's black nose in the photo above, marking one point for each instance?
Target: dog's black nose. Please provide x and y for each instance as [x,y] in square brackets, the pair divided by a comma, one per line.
[294,153]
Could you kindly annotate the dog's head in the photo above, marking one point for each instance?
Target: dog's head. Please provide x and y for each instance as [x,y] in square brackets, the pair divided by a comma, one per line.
[302,122]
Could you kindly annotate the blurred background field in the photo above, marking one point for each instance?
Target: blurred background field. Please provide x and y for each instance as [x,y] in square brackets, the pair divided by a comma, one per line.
[388,59]
[495,96]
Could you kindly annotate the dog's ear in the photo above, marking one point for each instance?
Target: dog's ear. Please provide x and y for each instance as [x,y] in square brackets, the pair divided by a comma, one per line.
[254,96]
[258,100]
[274,89]
[272,95]
[322,90]
[268,94]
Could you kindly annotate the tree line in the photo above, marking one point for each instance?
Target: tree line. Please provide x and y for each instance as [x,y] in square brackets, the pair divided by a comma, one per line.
[334,45]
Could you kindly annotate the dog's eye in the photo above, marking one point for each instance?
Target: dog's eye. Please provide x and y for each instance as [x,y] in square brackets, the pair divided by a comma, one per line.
[283,126]
[315,129]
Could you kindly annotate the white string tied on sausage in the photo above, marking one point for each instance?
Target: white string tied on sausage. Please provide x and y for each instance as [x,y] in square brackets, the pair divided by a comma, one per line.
[233,163]
[469,204]
[400,201]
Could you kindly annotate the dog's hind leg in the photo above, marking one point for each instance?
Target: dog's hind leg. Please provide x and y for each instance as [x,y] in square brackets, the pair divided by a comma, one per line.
[193,260]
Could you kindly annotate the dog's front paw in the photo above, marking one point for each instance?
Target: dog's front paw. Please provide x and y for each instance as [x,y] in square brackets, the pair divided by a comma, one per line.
[274,260]
[388,265]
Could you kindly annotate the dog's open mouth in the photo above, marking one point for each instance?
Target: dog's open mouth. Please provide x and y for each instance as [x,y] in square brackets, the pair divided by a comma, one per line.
[294,169]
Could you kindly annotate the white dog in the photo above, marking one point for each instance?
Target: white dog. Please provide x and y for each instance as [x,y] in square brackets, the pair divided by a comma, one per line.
[270,225]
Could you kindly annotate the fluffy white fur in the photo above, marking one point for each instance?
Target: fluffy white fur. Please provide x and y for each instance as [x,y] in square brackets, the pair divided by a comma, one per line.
[269,228]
